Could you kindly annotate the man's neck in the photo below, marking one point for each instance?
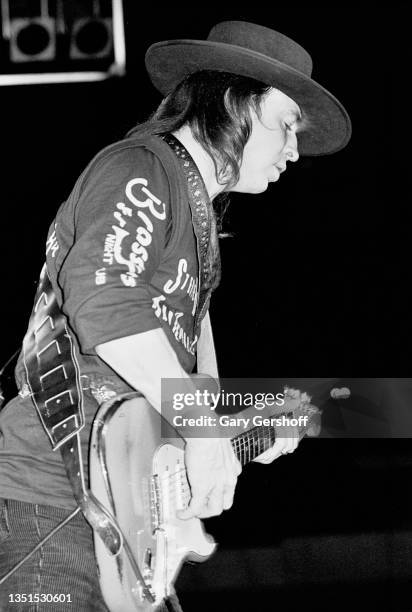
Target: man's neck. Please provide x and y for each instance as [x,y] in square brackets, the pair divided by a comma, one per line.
[202,160]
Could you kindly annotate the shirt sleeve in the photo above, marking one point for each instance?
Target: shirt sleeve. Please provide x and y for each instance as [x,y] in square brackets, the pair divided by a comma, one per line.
[120,222]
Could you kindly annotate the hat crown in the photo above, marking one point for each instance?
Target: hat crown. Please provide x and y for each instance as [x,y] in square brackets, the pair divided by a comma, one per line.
[263,40]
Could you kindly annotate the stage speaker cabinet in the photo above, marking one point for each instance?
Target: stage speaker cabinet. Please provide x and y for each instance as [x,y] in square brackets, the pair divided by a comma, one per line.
[32,39]
[91,38]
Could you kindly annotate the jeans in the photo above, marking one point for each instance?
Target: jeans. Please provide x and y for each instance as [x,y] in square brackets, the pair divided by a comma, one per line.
[64,566]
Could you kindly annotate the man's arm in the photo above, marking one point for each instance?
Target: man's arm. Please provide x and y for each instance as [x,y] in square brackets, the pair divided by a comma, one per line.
[206,354]
[143,360]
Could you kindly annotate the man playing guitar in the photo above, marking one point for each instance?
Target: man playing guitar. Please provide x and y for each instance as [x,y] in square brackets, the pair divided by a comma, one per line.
[132,258]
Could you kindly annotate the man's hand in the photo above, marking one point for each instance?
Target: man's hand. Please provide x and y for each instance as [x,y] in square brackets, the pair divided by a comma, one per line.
[282,446]
[212,470]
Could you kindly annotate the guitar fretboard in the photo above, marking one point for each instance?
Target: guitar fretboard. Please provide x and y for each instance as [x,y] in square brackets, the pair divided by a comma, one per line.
[252,443]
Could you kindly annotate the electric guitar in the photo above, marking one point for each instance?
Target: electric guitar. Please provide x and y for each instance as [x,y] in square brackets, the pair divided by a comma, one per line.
[140,478]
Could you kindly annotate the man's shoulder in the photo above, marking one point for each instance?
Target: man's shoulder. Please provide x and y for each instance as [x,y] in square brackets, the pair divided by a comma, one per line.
[147,161]
[146,150]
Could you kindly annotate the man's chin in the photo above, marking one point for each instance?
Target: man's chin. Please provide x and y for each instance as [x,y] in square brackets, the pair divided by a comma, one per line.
[263,186]
[260,187]
[253,189]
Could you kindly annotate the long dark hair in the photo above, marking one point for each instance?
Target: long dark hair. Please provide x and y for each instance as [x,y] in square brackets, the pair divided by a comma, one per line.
[217,106]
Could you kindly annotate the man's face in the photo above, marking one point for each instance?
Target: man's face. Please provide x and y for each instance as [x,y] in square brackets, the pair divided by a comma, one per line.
[271,144]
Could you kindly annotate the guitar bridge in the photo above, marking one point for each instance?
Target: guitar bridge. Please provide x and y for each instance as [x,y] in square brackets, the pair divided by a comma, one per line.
[155,503]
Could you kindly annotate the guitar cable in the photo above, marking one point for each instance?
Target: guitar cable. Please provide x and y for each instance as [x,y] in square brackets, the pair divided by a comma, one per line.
[2,371]
[39,545]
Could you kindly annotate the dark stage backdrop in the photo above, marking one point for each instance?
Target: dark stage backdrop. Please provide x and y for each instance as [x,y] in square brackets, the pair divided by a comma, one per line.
[315,281]
[319,263]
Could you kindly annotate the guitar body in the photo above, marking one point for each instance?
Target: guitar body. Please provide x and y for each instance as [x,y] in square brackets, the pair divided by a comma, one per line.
[140,479]
[137,472]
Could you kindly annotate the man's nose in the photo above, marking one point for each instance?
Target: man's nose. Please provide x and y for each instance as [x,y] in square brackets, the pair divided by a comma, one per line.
[292,154]
[291,148]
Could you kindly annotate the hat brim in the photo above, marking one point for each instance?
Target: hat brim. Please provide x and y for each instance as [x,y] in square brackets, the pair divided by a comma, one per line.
[329,125]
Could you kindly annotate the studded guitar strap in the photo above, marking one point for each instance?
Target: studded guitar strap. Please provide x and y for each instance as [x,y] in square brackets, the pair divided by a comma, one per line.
[204,226]
[54,382]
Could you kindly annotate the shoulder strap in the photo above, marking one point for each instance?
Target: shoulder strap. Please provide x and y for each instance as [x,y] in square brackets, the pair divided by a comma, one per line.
[204,226]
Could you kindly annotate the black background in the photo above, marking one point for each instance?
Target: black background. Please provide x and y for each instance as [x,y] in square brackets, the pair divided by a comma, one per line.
[315,283]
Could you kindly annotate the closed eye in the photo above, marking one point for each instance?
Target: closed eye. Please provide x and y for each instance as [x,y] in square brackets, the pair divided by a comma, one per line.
[298,123]
[291,127]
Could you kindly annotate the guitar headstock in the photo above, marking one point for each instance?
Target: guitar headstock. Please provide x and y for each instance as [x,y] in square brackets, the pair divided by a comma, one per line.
[299,403]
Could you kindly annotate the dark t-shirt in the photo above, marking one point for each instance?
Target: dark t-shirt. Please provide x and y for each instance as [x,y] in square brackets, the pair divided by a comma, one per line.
[122,258]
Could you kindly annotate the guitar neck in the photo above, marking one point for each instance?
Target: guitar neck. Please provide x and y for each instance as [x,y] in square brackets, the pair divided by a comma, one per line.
[251,443]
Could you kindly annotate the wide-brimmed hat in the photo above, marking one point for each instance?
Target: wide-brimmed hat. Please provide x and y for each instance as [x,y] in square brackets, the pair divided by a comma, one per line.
[263,54]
